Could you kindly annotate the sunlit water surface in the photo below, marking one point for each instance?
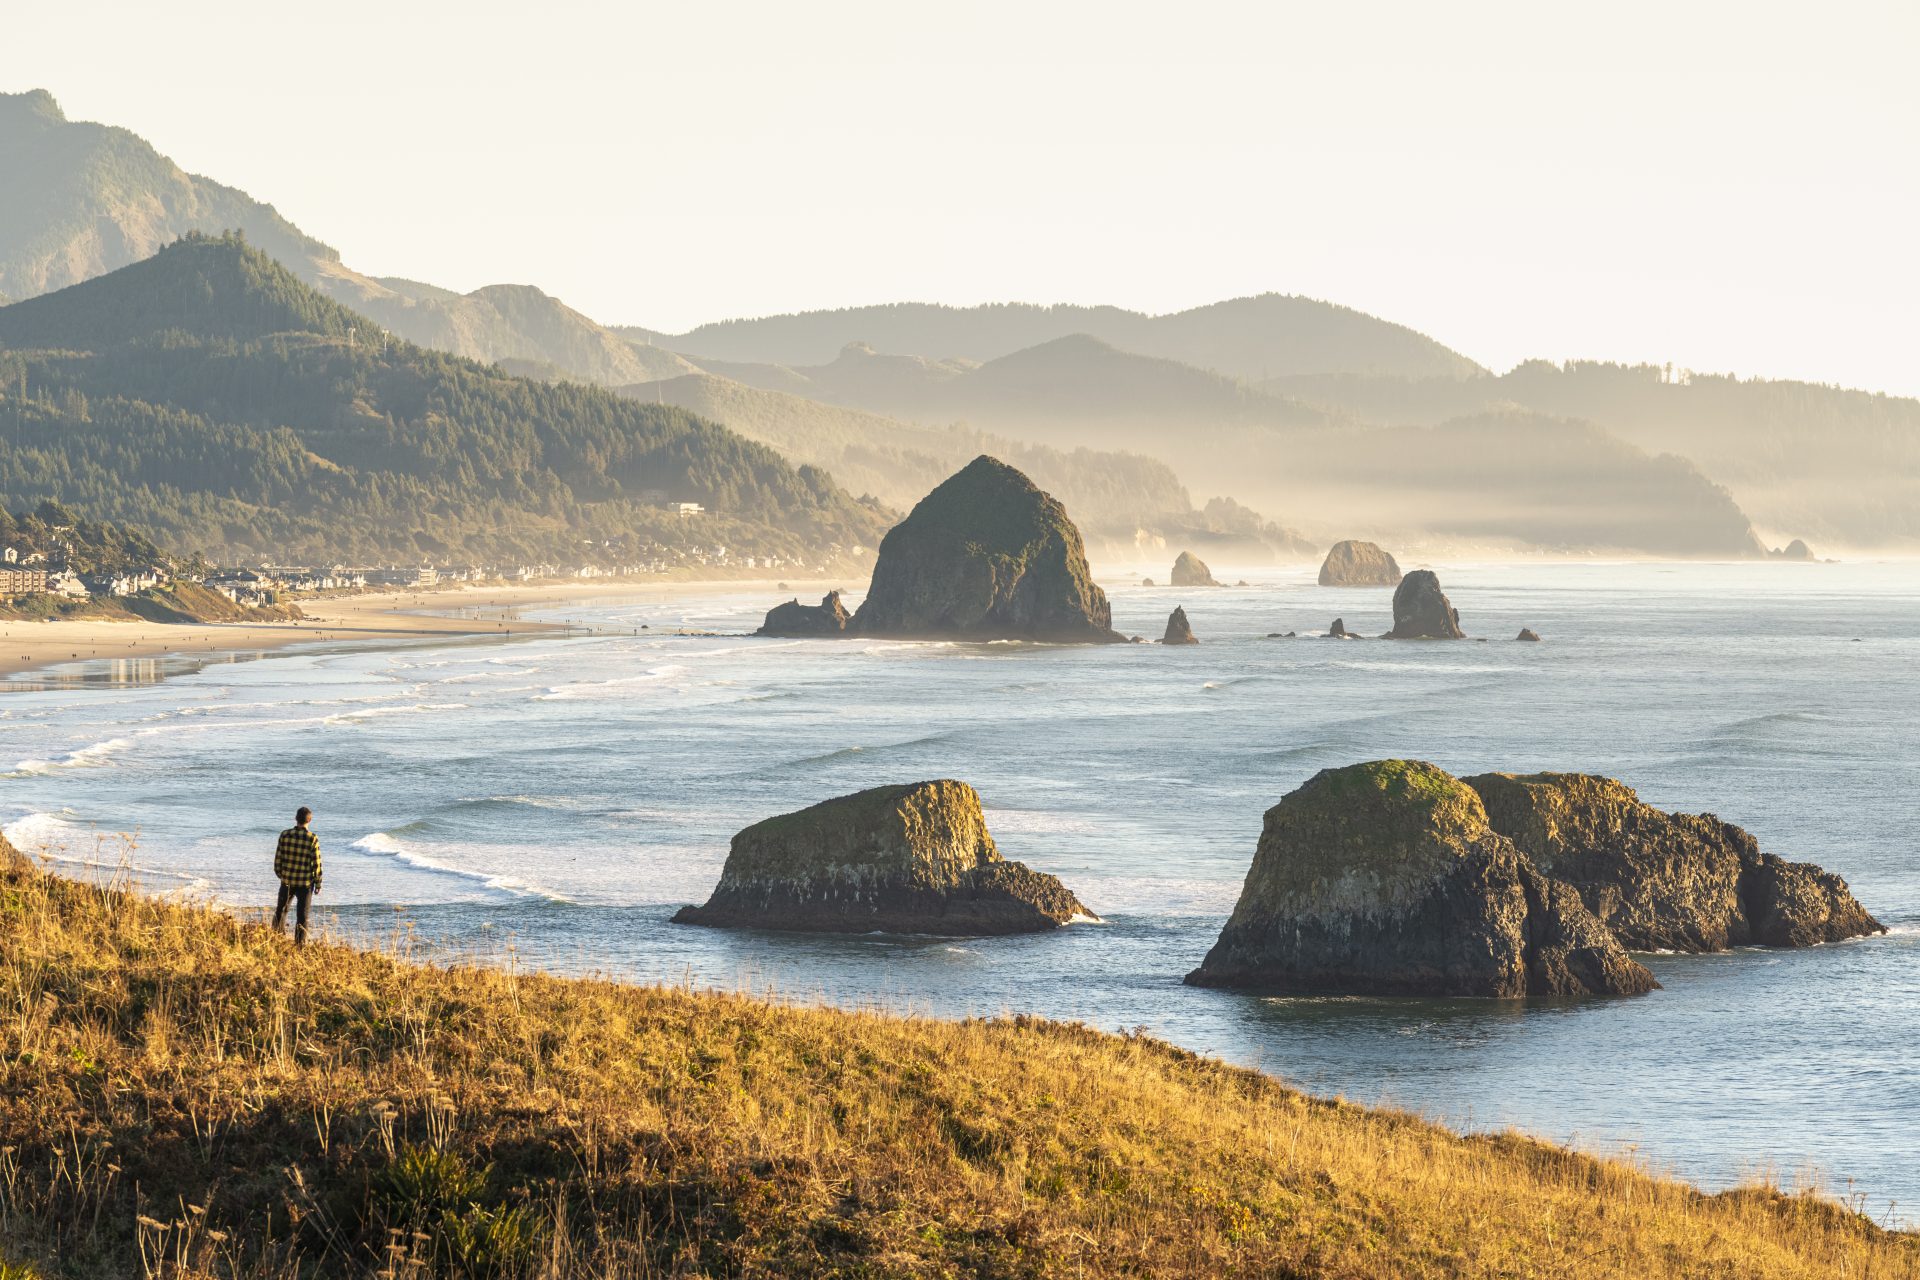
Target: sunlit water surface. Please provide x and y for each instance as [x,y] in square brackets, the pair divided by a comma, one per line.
[557,797]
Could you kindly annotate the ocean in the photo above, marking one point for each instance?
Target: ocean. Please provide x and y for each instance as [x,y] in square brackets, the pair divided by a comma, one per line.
[550,800]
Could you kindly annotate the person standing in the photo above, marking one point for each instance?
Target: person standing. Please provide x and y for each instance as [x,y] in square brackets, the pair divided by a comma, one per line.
[296,860]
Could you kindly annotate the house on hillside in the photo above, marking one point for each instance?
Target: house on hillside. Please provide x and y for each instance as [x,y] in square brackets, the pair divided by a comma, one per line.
[67,583]
[18,581]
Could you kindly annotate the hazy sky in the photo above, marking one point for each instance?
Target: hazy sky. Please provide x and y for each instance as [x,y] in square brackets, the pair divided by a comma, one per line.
[1726,186]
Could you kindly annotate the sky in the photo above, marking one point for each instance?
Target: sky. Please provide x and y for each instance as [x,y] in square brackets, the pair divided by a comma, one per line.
[1726,187]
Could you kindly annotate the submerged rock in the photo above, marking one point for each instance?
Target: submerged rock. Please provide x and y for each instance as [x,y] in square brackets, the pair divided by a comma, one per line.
[985,556]
[1667,881]
[1528,634]
[1386,879]
[1359,564]
[793,619]
[1178,632]
[899,859]
[1191,571]
[1421,611]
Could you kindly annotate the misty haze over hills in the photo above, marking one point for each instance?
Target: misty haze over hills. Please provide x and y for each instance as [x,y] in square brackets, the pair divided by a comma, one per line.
[1325,420]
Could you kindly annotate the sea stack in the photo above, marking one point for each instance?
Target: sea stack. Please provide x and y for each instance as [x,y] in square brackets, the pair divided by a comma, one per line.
[1359,564]
[986,556]
[1385,879]
[794,620]
[1529,635]
[1338,631]
[1421,611]
[1795,550]
[1667,881]
[1178,632]
[1191,571]
[900,859]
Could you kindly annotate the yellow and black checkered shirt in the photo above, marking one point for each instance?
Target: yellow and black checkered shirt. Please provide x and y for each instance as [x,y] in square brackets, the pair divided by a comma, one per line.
[296,859]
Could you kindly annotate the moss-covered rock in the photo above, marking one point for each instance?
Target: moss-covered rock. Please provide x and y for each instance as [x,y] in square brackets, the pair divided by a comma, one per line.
[1189,570]
[986,556]
[794,620]
[1385,878]
[900,859]
[1359,564]
[1667,881]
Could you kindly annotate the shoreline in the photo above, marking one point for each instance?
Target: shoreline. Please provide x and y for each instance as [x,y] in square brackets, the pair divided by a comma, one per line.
[31,648]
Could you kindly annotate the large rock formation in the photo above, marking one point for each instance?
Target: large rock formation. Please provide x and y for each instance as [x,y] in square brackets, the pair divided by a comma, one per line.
[1795,550]
[1667,881]
[900,859]
[1421,611]
[1385,878]
[1359,564]
[793,619]
[1178,632]
[985,556]
[1191,571]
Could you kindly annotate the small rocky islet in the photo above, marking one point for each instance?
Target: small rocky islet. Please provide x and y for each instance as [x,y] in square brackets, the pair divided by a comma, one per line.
[986,556]
[1353,563]
[910,858]
[1190,570]
[1395,878]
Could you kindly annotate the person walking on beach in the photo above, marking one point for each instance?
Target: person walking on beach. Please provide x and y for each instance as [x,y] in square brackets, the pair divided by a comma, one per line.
[296,860]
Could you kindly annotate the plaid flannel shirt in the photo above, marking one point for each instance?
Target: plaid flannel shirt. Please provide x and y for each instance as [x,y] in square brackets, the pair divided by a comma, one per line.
[296,859]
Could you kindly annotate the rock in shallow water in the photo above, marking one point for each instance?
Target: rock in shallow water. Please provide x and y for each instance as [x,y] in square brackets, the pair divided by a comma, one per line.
[1190,570]
[1667,881]
[1385,878]
[1358,564]
[1421,611]
[1178,632]
[986,556]
[794,620]
[901,859]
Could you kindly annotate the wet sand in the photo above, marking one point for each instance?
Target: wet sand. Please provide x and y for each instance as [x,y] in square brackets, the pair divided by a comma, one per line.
[459,611]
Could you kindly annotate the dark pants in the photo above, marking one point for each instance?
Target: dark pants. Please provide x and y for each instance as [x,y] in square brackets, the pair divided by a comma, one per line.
[301,898]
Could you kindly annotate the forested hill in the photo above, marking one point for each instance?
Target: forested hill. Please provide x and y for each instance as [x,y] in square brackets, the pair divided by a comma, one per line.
[210,397]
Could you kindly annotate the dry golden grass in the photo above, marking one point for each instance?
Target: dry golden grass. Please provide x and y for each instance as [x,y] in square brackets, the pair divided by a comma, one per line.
[185,1094]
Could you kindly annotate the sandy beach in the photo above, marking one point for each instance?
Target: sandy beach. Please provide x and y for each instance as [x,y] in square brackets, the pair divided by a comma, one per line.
[27,646]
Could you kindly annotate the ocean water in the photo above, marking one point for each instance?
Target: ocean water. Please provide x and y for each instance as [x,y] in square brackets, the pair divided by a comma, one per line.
[552,799]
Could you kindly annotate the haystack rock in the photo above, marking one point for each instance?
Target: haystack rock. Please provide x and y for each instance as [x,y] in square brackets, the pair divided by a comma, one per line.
[986,556]
[1146,582]
[1386,879]
[1359,564]
[1191,571]
[794,620]
[900,859]
[1529,635]
[1178,632]
[1421,611]
[1667,881]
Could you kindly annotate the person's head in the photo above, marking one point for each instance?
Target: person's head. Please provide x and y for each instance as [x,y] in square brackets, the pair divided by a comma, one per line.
[302,816]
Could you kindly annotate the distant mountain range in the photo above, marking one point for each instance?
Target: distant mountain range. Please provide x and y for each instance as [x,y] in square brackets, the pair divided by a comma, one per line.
[1268,336]
[210,397]
[1123,503]
[1340,423]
